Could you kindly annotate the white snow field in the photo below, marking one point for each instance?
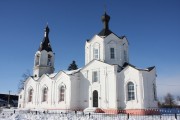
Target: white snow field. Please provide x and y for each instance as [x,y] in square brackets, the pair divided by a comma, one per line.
[15,114]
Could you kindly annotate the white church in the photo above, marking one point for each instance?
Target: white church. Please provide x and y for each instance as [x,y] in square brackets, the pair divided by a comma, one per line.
[107,81]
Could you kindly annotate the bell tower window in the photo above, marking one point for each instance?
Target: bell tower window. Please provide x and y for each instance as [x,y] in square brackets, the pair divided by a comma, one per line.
[49,60]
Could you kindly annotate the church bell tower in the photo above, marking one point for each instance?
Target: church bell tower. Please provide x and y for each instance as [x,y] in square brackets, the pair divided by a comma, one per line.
[44,57]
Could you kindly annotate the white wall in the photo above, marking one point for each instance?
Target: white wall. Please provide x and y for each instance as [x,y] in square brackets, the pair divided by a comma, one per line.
[149,79]
[111,87]
[71,84]
[143,88]
[105,86]
[21,99]
[104,45]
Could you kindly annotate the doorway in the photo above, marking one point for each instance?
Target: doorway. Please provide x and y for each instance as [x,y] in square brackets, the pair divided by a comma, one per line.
[95,98]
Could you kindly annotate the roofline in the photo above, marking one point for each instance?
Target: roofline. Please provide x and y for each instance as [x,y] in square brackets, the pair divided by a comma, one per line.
[93,61]
[146,69]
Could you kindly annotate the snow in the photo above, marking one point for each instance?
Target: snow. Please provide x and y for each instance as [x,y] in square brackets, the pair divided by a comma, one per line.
[65,71]
[8,114]
[72,71]
[52,75]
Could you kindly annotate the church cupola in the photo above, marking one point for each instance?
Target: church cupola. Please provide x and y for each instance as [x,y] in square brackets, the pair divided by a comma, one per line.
[105,20]
[107,46]
[44,57]
[45,44]
[105,31]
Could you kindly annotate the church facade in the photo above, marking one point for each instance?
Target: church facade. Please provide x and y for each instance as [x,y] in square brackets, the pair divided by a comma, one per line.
[107,81]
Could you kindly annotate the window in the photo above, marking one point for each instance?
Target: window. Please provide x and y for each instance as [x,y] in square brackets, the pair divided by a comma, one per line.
[95,76]
[30,95]
[62,92]
[20,96]
[45,94]
[130,88]
[125,56]
[49,60]
[37,60]
[112,53]
[96,54]
[154,92]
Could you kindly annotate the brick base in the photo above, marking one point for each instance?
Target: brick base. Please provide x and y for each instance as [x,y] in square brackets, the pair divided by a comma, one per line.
[130,111]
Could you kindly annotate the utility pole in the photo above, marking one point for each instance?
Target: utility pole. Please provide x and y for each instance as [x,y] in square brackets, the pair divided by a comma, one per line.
[9,99]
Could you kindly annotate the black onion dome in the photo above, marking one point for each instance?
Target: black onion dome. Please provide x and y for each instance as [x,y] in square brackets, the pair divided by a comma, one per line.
[105,31]
[45,44]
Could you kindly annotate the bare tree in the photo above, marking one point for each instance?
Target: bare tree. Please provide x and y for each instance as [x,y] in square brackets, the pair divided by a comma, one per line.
[178,98]
[169,101]
[24,78]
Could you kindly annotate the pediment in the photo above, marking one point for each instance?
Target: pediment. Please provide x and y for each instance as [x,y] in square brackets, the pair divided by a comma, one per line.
[95,64]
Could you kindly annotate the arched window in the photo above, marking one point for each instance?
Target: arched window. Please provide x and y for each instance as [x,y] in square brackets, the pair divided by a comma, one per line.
[49,60]
[62,93]
[96,53]
[112,53]
[30,95]
[45,93]
[130,88]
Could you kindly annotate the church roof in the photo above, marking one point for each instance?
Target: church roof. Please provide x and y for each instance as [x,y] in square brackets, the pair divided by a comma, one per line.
[67,72]
[45,44]
[71,71]
[105,32]
[51,75]
[146,69]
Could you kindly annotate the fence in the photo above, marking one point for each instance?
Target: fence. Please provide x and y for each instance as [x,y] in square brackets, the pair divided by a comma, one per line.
[165,114]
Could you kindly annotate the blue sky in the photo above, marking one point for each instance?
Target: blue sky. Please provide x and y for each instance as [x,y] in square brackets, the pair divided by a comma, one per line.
[151,26]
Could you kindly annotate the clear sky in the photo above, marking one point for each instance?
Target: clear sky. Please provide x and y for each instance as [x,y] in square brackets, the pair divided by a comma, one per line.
[152,28]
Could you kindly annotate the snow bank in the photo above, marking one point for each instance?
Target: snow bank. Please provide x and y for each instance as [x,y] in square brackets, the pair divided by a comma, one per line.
[16,114]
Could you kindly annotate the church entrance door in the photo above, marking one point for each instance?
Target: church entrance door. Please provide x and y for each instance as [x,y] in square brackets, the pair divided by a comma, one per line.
[95,98]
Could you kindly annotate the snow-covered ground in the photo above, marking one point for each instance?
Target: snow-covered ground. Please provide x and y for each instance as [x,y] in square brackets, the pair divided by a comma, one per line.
[15,114]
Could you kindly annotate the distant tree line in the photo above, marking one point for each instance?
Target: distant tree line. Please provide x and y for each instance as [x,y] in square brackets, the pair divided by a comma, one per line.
[169,101]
